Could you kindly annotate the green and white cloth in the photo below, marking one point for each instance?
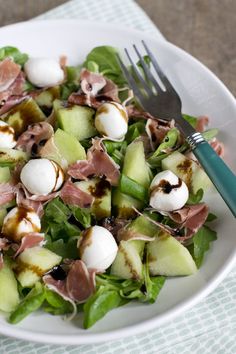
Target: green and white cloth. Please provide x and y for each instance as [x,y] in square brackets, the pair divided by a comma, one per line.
[209,327]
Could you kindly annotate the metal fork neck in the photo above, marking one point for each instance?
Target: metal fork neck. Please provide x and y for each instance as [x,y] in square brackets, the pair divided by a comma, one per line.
[192,137]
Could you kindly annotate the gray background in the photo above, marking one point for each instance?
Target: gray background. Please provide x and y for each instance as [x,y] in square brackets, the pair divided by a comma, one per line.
[205,28]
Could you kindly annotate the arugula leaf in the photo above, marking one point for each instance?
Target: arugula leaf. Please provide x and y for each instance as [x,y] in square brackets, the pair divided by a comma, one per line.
[201,244]
[83,216]
[195,198]
[64,231]
[134,131]
[153,285]
[64,249]
[56,211]
[106,59]
[104,300]
[14,53]
[29,304]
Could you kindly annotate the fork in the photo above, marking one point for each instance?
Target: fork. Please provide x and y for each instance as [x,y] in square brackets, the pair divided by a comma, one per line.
[165,103]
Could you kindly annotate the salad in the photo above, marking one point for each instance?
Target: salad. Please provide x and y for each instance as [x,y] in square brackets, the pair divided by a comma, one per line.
[99,201]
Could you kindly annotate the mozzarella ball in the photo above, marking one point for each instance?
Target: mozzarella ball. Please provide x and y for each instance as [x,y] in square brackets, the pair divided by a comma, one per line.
[19,221]
[97,248]
[44,72]
[168,192]
[111,120]
[42,176]
[7,136]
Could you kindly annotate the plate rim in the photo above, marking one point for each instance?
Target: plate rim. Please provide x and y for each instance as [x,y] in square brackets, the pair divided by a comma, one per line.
[88,337]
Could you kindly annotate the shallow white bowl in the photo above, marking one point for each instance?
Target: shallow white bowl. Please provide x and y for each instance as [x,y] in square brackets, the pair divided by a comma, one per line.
[201,93]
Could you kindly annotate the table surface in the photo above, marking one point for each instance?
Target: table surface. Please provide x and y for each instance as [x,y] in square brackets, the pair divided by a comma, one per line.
[204,28]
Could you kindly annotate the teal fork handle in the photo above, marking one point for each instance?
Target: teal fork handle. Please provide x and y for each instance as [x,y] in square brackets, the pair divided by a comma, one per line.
[219,173]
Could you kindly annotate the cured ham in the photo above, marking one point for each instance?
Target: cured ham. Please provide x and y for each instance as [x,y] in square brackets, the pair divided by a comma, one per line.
[78,286]
[34,137]
[98,163]
[192,217]
[8,74]
[29,240]
[72,195]
[7,193]
[95,89]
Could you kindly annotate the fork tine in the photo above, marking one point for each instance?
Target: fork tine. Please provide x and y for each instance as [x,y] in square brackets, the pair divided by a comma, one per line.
[161,74]
[130,79]
[139,76]
[147,70]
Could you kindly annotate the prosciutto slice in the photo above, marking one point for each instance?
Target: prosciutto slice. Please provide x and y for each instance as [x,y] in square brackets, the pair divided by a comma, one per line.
[95,89]
[7,193]
[23,200]
[11,102]
[30,239]
[35,136]
[192,217]
[98,163]
[157,129]
[8,74]
[70,194]
[78,286]
[202,122]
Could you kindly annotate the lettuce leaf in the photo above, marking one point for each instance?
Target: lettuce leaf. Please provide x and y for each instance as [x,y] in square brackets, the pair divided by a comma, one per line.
[201,243]
[103,59]
[14,53]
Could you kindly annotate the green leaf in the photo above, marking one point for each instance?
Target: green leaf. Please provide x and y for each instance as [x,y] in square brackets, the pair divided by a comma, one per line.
[210,133]
[211,217]
[83,216]
[64,249]
[195,198]
[190,119]
[93,66]
[153,285]
[106,59]
[167,145]
[201,244]
[29,304]
[100,303]
[14,53]
[55,304]
[130,187]
[134,131]
[56,211]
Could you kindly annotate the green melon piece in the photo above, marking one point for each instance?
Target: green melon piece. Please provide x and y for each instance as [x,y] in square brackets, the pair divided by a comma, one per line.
[9,157]
[128,261]
[25,113]
[101,190]
[143,226]
[169,257]
[69,147]
[46,98]
[3,213]
[9,296]
[32,263]
[135,166]
[76,120]
[188,170]
[5,174]
[123,204]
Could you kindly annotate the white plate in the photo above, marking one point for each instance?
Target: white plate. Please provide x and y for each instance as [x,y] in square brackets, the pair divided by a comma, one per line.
[202,93]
